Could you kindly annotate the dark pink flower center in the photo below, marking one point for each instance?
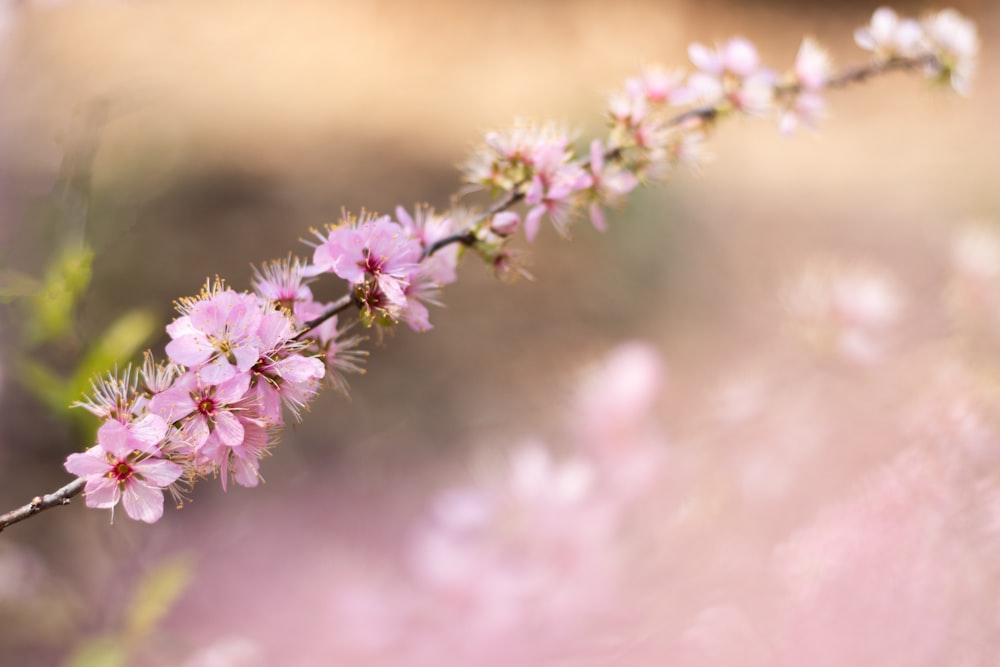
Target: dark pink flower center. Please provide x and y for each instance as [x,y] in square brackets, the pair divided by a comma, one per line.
[372,263]
[122,471]
[206,406]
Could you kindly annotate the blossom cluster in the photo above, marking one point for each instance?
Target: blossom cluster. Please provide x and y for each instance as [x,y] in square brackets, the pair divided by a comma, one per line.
[662,117]
[237,361]
[213,408]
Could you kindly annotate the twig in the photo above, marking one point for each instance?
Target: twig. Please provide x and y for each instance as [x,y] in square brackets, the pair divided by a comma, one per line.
[40,503]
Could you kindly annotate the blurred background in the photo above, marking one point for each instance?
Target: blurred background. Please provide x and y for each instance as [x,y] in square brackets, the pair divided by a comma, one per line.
[181,140]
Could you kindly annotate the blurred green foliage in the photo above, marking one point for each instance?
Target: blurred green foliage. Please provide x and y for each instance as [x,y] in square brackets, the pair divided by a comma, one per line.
[49,311]
[53,363]
[153,598]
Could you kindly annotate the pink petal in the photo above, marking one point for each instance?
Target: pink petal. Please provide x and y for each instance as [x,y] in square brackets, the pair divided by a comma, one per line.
[113,437]
[228,429]
[92,462]
[233,389]
[158,472]
[704,58]
[532,221]
[142,502]
[297,368]
[245,471]
[246,356]
[741,56]
[597,217]
[210,316]
[216,371]
[269,402]
[174,403]
[149,432]
[101,492]
[191,350]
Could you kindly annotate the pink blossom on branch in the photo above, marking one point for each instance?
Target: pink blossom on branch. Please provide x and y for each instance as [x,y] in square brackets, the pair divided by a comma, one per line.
[237,360]
[123,467]
[374,254]
[217,333]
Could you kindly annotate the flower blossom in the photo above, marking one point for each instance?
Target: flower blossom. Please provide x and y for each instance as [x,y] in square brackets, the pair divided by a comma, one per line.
[114,396]
[847,310]
[888,36]
[554,181]
[374,254]
[812,70]
[434,271]
[955,44]
[282,375]
[217,333]
[732,74]
[609,183]
[123,467]
[659,86]
[285,283]
[337,350]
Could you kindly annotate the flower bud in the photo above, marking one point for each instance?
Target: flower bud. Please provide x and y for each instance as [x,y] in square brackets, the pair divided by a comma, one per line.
[505,223]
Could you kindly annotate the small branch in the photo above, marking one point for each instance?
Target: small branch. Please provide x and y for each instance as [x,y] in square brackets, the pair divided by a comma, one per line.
[466,237]
[861,74]
[40,503]
[338,306]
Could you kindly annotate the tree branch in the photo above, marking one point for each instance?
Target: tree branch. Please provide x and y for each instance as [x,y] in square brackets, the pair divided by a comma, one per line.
[40,503]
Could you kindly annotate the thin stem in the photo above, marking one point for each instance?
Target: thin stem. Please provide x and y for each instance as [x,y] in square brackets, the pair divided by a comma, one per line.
[467,236]
[338,306]
[41,503]
[862,74]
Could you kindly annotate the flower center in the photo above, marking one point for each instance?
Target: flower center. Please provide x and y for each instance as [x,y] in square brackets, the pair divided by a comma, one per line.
[122,471]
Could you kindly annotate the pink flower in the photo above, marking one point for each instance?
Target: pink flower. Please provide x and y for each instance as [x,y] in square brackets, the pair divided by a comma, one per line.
[529,547]
[204,408]
[217,333]
[848,310]
[657,85]
[554,182]
[428,229]
[889,37]
[812,65]
[285,283]
[609,183]
[738,56]
[144,434]
[115,397]
[337,350]
[805,110]
[283,375]
[239,459]
[116,469]
[505,223]
[732,73]
[374,252]
[954,41]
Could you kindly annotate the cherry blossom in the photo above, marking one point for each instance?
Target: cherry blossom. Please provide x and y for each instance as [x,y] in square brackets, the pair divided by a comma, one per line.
[121,467]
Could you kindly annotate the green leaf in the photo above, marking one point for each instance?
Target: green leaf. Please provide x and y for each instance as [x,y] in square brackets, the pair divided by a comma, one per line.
[50,315]
[99,652]
[119,344]
[156,595]
[48,387]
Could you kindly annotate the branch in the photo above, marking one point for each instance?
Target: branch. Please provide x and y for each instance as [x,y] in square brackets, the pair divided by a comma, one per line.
[510,189]
[40,503]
